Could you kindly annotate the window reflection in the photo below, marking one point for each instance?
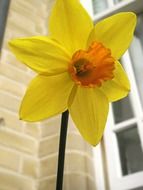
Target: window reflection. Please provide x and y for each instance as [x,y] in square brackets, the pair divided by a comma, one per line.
[131,154]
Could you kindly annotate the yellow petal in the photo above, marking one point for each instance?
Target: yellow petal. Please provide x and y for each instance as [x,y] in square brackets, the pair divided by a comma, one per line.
[70,24]
[41,54]
[119,86]
[45,97]
[89,112]
[115,32]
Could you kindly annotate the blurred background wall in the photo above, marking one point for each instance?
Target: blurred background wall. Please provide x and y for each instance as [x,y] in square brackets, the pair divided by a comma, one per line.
[28,151]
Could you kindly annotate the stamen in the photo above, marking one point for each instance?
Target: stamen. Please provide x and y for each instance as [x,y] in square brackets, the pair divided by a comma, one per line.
[91,67]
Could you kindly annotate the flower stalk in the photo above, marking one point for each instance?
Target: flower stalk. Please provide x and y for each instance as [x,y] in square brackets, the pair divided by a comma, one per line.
[62,146]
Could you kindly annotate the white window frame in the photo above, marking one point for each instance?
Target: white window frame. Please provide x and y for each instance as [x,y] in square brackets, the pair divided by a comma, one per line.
[106,155]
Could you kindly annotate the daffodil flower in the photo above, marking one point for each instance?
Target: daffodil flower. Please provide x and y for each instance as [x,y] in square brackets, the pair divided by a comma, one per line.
[77,67]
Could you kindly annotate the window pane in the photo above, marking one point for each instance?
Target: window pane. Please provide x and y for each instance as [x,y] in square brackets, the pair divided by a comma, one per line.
[136,51]
[99,5]
[131,154]
[122,110]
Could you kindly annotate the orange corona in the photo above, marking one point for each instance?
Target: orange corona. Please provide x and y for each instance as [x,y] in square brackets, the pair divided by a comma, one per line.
[89,68]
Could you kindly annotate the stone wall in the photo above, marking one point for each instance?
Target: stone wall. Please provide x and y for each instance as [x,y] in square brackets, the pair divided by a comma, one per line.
[28,151]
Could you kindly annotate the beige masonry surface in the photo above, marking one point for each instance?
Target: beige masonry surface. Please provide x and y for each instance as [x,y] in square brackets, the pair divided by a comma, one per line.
[28,151]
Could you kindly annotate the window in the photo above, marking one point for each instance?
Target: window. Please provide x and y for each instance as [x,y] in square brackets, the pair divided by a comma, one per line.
[130,150]
[119,157]
[122,110]
[136,53]
[99,5]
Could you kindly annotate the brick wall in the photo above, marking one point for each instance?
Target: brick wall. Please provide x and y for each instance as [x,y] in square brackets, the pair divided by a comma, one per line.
[28,151]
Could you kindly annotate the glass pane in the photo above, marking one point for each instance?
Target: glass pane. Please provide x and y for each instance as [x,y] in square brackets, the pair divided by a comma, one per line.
[136,51]
[131,154]
[122,110]
[99,5]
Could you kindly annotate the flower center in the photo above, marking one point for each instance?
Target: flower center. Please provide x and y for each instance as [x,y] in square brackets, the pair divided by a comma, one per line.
[91,67]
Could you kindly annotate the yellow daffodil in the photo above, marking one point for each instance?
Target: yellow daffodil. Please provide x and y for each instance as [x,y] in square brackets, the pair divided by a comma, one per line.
[77,67]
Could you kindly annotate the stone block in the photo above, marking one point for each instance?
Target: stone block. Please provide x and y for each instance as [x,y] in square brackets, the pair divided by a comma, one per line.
[30,167]
[9,102]
[11,120]
[11,86]
[33,129]
[14,73]
[48,166]
[9,58]
[18,142]
[11,181]
[49,184]
[75,162]
[49,146]
[51,126]
[9,159]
